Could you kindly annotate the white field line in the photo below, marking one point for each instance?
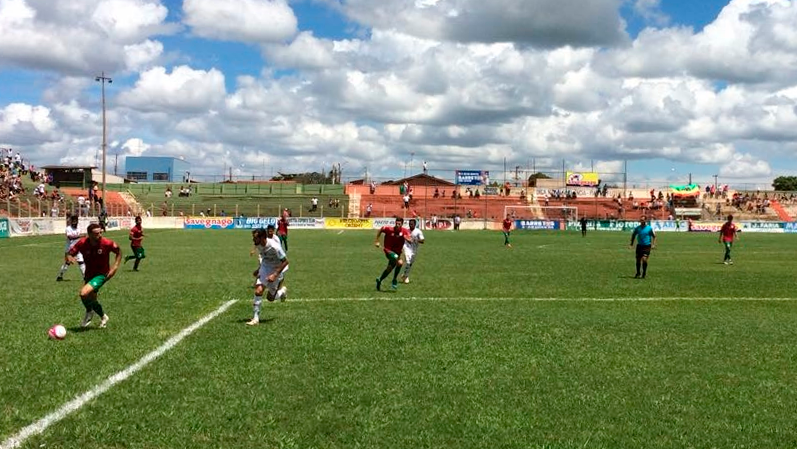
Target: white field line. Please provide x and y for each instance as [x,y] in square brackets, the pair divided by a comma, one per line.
[81,400]
[640,299]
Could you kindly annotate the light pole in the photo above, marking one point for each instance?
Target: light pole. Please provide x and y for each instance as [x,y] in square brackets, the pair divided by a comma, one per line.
[102,79]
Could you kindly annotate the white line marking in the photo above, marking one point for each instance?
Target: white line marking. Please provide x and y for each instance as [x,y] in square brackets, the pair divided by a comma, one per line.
[81,400]
[647,299]
[341,231]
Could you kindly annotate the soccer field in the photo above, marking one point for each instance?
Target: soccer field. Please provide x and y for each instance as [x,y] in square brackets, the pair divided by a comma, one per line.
[551,344]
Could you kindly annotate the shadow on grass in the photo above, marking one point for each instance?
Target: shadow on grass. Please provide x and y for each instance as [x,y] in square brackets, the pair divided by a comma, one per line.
[262,320]
[80,329]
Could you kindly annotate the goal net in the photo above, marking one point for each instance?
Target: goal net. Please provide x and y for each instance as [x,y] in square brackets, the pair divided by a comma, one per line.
[536,212]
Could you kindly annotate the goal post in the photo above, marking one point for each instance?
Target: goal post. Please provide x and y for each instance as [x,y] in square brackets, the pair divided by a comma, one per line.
[536,212]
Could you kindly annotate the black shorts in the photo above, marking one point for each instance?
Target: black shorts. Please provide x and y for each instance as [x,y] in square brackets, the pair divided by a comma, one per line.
[642,250]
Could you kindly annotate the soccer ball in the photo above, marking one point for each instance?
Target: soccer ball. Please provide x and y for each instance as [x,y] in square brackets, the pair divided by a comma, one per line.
[57,332]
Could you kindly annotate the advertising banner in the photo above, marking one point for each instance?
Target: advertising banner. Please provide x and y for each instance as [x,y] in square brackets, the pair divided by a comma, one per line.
[4,234]
[537,225]
[705,226]
[30,226]
[615,225]
[378,223]
[762,226]
[790,227]
[668,225]
[582,179]
[348,223]
[305,223]
[255,222]
[472,177]
[442,224]
[208,223]
[491,190]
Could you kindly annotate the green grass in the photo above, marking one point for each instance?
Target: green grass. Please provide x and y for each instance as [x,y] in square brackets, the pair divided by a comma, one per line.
[468,355]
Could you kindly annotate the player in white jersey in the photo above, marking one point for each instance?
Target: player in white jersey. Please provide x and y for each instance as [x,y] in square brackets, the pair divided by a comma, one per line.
[72,236]
[411,249]
[271,272]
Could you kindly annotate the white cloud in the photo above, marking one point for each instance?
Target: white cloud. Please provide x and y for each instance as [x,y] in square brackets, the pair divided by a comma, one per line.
[305,52]
[651,11]
[22,123]
[259,21]
[745,166]
[129,21]
[138,56]
[541,23]
[78,36]
[185,90]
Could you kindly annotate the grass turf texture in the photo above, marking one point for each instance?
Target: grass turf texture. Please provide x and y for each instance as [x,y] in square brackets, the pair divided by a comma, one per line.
[461,357]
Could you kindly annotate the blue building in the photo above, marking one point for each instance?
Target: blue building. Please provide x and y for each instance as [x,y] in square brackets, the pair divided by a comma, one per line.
[156,169]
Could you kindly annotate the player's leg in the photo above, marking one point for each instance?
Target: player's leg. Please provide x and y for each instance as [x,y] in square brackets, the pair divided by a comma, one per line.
[88,295]
[81,263]
[409,257]
[139,255]
[506,238]
[284,242]
[727,258]
[63,269]
[258,300]
[638,262]
[396,271]
[644,266]
[392,261]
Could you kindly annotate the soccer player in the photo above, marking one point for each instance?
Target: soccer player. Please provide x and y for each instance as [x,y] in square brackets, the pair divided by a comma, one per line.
[506,227]
[728,233]
[271,272]
[646,240]
[583,222]
[72,237]
[136,236]
[282,231]
[395,236]
[95,250]
[411,249]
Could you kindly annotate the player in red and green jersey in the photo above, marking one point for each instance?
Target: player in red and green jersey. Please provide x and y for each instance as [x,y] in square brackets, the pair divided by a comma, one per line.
[728,233]
[395,236]
[506,227]
[136,236]
[282,231]
[95,250]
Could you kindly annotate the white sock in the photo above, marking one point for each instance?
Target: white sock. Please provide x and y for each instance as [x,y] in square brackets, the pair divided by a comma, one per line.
[280,293]
[63,270]
[257,303]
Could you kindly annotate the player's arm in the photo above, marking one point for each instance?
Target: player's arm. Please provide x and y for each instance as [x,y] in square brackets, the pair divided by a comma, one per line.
[633,237]
[376,240]
[116,262]
[719,238]
[71,253]
[653,239]
[274,274]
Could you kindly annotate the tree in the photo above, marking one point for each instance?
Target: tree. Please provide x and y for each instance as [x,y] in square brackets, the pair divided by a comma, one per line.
[533,178]
[785,183]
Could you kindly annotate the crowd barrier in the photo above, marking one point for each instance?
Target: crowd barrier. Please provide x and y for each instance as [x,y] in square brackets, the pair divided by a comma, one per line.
[21,227]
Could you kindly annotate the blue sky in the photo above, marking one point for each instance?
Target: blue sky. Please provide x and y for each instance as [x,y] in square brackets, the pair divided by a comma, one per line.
[672,87]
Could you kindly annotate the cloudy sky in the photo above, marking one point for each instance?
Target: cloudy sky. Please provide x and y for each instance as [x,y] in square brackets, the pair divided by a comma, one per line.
[673,87]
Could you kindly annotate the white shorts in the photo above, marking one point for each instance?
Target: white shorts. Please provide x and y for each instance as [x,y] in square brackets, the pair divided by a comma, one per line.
[409,256]
[272,287]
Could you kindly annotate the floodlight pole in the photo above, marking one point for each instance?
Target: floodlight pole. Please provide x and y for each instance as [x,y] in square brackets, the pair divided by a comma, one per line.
[102,79]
